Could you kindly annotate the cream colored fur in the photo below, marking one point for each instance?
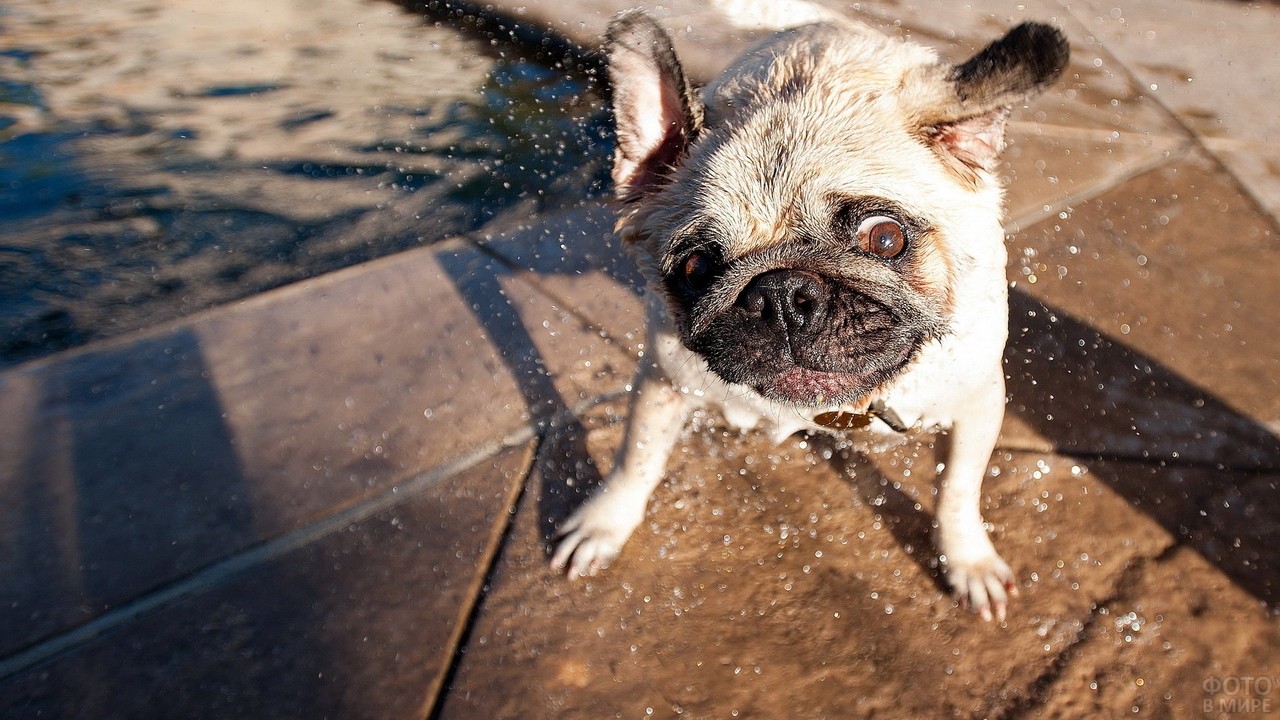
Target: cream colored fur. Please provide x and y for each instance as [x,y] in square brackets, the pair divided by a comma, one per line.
[810,114]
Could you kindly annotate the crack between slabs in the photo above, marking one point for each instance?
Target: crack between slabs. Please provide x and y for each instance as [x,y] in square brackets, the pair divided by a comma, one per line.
[465,621]
[210,576]
[1096,189]
[438,694]
[1194,139]
[565,304]
[1038,691]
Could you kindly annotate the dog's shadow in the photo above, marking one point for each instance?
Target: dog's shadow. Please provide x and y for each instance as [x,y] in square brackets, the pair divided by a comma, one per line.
[567,474]
[910,524]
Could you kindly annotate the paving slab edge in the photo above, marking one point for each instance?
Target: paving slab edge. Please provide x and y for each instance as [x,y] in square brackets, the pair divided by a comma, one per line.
[1194,139]
[460,632]
[246,304]
[217,573]
[1160,159]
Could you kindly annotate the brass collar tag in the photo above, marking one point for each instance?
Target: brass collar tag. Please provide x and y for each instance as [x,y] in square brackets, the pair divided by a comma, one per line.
[840,420]
[843,420]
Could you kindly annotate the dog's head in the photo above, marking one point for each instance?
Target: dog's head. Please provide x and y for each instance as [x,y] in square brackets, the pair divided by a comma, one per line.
[812,216]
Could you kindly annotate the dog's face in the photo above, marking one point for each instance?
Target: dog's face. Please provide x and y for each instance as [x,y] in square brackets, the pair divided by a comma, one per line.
[810,220]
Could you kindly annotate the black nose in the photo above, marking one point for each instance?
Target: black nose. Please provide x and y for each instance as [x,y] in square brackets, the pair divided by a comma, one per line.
[787,300]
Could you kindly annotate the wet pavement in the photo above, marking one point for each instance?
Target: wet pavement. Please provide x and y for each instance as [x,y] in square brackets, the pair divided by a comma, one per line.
[334,499]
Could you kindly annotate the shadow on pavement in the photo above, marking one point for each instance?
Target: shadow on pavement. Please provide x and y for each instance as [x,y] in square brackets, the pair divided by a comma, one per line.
[129,478]
[1169,446]
[1204,471]
[563,454]
[130,481]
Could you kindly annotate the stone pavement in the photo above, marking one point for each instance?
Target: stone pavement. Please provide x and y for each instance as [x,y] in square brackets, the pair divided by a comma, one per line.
[335,499]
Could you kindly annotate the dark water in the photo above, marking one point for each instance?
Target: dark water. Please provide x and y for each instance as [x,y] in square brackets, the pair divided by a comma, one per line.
[117,223]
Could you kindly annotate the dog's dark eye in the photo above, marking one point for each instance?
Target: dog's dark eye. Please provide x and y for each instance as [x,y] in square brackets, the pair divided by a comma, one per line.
[882,236]
[698,270]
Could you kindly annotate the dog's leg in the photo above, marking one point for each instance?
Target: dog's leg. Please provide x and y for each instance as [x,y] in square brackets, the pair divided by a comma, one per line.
[596,532]
[978,575]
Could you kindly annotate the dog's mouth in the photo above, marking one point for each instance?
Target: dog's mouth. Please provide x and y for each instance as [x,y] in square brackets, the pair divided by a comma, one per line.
[797,385]
[802,386]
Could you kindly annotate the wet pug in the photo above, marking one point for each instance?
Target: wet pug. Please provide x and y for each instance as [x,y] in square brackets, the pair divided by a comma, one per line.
[820,232]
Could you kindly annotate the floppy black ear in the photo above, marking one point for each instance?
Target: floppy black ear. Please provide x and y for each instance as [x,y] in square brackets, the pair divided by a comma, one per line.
[970,128]
[657,111]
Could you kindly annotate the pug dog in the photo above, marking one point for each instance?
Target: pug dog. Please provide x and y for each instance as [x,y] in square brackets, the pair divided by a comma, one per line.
[820,234]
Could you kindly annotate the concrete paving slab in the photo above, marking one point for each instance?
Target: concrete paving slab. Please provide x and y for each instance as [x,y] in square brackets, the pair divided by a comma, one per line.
[117,471]
[135,462]
[1257,167]
[361,624]
[1167,274]
[1048,170]
[1178,641]
[1232,519]
[557,353]
[580,263]
[1211,64]
[770,582]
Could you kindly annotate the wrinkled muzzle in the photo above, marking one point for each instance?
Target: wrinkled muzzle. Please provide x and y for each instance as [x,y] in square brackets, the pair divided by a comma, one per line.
[802,337]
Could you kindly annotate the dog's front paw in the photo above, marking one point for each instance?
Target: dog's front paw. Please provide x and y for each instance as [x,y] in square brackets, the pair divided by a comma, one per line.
[981,580]
[594,535]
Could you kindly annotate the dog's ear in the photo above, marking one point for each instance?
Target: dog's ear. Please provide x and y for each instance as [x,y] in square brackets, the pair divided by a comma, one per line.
[968,125]
[658,114]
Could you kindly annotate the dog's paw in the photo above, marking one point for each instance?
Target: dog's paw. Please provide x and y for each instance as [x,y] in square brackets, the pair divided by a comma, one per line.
[982,582]
[594,535]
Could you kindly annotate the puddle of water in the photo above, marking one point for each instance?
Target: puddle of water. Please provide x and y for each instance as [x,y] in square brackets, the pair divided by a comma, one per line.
[161,158]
